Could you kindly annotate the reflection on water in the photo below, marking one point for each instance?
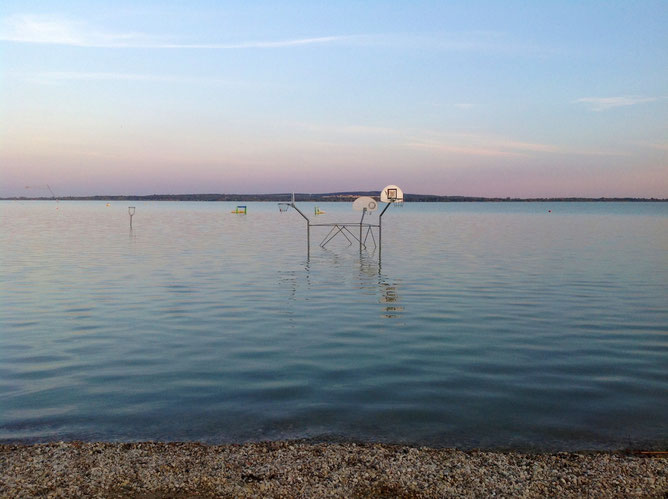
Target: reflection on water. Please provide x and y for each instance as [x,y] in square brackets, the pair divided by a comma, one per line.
[489,325]
[390,296]
[371,279]
[371,268]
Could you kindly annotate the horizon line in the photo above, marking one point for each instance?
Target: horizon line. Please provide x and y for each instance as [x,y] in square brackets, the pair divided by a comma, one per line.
[445,197]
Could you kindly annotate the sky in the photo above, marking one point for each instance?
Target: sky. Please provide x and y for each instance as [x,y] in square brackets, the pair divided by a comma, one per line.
[498,98]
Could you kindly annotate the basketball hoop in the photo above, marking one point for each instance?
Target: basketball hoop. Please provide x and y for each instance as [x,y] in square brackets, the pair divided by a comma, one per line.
[353,231]
[365,203]
[131,212]
[391,194]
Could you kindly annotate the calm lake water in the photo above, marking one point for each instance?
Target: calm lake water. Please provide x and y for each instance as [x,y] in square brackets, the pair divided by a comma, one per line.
[485,325]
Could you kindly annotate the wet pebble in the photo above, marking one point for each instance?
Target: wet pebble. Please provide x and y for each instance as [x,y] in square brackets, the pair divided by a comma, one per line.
[298,469]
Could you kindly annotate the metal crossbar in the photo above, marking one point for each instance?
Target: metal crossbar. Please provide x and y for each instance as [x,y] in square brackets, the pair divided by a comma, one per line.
[336,228]
[369,231]
[343,228]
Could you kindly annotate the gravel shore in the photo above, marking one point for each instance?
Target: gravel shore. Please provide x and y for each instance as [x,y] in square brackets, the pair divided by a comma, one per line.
[298,469]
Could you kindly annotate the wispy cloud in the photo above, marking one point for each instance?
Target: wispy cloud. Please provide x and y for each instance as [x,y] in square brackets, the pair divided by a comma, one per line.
[475,41]
[479,145]
[54,30]
[659,146]
[56,77]
[525,146]
[257,44]
[464,150]
[60,31]
[469,144]
[346,129]
[605,103]
[596,153]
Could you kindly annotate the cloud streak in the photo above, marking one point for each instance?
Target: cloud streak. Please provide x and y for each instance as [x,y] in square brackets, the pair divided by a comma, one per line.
[254,45]
[57,77]
[605,103]
[58,31]
[659,146]
[479,145]
[54,30]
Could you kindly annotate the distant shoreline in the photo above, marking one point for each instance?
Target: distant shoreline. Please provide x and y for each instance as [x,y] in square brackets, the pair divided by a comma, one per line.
[330,197]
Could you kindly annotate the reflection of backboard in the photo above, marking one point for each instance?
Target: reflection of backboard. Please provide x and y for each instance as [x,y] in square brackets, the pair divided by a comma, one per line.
[365,202]
[391,194]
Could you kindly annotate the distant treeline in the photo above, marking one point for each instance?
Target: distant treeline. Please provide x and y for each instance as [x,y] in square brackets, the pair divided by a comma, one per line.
[321,198]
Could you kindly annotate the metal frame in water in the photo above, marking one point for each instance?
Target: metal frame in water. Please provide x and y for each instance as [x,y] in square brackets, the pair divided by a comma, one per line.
[390,195]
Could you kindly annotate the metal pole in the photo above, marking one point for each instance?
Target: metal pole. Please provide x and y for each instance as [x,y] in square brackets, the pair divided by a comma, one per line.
[131,212]
[308,227]
[380,230]
[300,212]
[362,220]
[380,236]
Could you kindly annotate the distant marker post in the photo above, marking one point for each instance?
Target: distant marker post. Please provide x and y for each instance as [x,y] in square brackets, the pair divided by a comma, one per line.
[131,212]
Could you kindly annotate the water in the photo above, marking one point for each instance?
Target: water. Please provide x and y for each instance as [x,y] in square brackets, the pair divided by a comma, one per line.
[487,324]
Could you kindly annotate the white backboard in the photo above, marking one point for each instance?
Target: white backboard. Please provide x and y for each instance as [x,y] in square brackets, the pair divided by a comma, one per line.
[365,202]
[391,194]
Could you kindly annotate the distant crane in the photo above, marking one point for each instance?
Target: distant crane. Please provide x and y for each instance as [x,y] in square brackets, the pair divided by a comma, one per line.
[45,186]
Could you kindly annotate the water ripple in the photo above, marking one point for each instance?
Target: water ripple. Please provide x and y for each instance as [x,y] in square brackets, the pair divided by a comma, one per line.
[488,325]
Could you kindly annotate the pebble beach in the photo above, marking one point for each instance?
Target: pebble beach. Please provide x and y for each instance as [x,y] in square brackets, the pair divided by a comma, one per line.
[303,469]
